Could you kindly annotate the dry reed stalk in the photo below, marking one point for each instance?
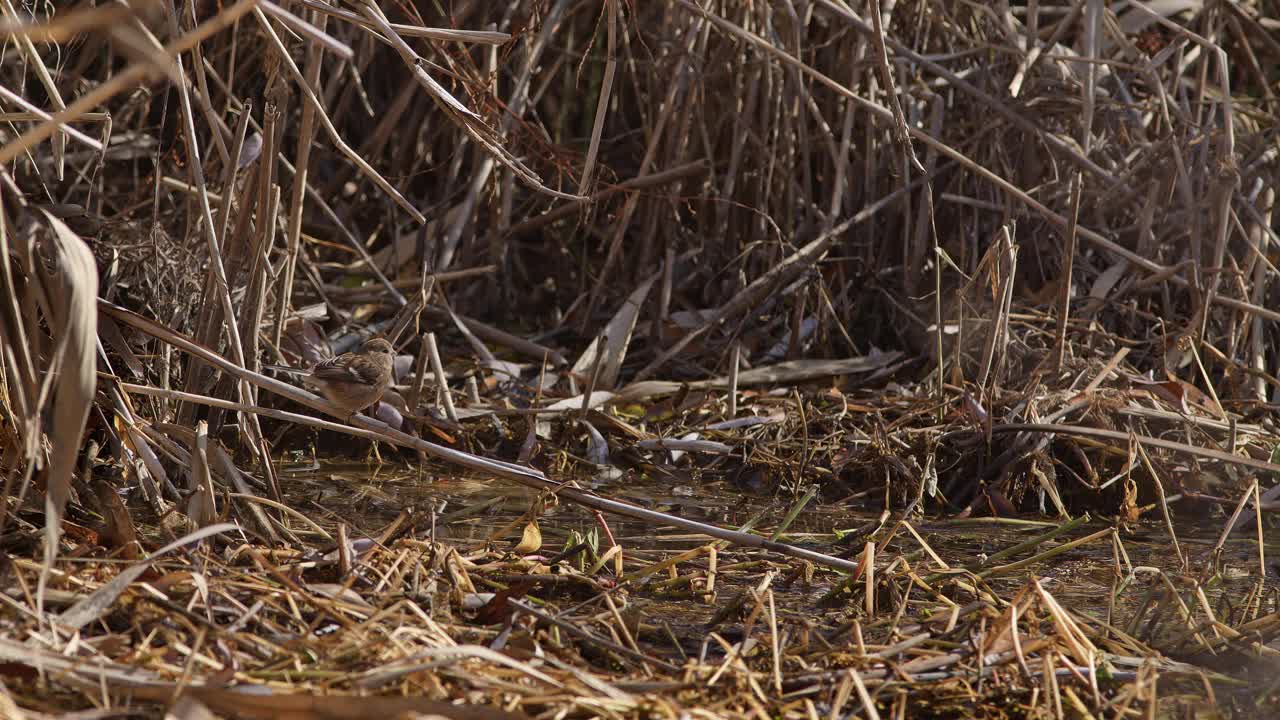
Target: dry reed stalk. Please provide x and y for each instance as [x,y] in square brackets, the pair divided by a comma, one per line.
[712,142]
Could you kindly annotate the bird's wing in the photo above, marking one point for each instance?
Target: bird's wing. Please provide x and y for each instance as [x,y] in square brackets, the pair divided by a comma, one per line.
[338,369]
[347,368]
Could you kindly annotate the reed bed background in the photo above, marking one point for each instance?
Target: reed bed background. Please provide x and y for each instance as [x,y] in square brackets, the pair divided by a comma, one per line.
[973,259]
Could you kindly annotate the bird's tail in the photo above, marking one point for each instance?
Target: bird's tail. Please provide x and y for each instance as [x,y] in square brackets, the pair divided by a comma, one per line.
[286,369]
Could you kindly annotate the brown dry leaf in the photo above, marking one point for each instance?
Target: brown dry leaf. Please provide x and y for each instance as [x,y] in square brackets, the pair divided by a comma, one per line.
[79,533]
[530,541]
[73,287]
[119,530]
[1129,505]
[169,580]
[499,607]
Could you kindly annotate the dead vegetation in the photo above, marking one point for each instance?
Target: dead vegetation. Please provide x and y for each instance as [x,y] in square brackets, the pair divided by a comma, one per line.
[899,265]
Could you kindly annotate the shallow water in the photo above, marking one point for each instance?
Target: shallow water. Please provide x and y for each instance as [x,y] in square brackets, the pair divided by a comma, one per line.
[471,509]
[678,622]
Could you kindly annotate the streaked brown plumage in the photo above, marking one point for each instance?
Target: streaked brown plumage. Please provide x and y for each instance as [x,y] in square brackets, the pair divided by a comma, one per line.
[353,381]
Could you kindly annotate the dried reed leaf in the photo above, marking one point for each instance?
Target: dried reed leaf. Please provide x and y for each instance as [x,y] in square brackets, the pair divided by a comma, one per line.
[93,606]
[73,290]
[617,338]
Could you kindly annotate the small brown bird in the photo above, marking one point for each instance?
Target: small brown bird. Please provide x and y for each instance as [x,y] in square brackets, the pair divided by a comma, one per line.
[353,381]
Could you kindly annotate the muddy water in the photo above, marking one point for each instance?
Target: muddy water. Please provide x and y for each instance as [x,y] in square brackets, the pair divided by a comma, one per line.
[676,622]
[471,509]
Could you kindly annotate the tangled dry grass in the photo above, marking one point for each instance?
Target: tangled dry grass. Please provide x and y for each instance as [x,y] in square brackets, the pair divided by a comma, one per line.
[904,257]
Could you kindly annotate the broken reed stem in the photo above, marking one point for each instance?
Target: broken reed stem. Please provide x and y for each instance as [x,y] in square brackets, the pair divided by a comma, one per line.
[1232,523]
[437,367]
[734,365]
[1047,554]
[473,391]
[605,94]
[1020,547]
[1164,505]
[596,364]
[938,327]
[1068,265]
[1204,374]
[414,399]
[869,578]
[1257,515]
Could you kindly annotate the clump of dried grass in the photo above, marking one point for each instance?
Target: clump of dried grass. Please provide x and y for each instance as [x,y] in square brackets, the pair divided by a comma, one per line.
[1062,217]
